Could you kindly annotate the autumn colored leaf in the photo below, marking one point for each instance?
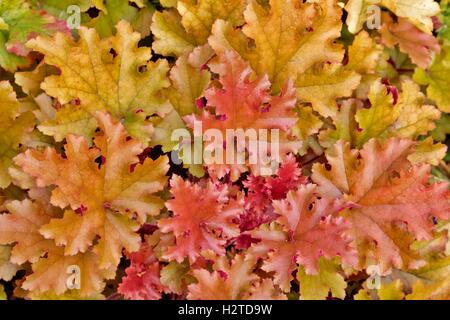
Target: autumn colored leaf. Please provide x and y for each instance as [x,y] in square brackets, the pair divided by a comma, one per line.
[180,30]
[211,225]
[289,37]
[230,150]
[418,12]
[240,104]
[262,190]
[307,228]
[123,83]
[393,202]
[22,226]
[391,113]
[231,280]
[317,287]
[13,129]
[436,80]
[418,45]
[7,268]
[142,279]
[113,213]
[18,23]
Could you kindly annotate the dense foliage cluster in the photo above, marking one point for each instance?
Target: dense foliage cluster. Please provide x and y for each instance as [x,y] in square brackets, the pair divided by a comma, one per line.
[94,205]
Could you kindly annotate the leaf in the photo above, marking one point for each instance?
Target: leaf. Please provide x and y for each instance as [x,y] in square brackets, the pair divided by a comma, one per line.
[364,54]
[391,291]
[358,13]
[387,115]
[418,45]
[92,209]
[229,280]
[189,80]
[436,80]
[427,152]
[444,18]
[381,115]
[442,128]
[13,129]
[111,74]
[202,219]
[419,12]
[243,103]
[20,23]
[142,278]
[175,276]
[115,10]
[30,81]
[308,123]
[2,293]
[308,228]
[416,118]
[178,31]
[393,202]
[7,269]
[322,86]
[387,291]
[265,290]
[261,191]
[433,283]
[21,227]
[50,273]
[289,37]
[317,287]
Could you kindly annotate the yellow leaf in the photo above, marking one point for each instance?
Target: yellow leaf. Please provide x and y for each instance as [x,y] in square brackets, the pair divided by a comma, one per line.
[377,119]
[358,13]
[437,79]
[179,31]
[170,37]
[13,129]
[434,281]
[50,273]
[415,117]
[285,39]
[409,117]
[30,81]
[419,12]
[111,74]
[189,80]
[323,85]
[391,291]
[427,152]
[308,123]
[317,287]
[2,293]
[364,54]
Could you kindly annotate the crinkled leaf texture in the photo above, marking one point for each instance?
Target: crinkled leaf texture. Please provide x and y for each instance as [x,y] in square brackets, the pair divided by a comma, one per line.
[243,103]
[393,203]
[109,198]
[123,82]
[203,218]
[307,228]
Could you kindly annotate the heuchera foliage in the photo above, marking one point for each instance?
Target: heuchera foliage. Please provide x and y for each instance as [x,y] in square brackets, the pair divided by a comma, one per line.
[93,204]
